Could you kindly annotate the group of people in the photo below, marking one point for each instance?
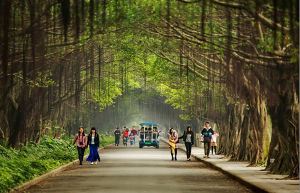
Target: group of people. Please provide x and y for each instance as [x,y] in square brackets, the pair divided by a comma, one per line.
[92,140]
[145,133]
[209,140]
[127,134]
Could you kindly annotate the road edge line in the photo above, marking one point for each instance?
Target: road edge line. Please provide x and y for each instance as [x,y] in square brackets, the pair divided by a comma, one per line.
[54,172]
[242,181]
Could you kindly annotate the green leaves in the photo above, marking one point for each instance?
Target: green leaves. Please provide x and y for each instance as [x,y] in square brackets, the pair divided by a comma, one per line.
[19,166]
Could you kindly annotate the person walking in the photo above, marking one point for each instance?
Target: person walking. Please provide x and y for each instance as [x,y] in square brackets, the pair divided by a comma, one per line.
[93,142]
[81,144]
[117,136]
[173,138]
[125,136]
[207,135]
[134,132]
[131,138]
[214,143]
[188,138]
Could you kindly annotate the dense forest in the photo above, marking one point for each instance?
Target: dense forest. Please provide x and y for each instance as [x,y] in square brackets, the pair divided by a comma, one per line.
[234,63]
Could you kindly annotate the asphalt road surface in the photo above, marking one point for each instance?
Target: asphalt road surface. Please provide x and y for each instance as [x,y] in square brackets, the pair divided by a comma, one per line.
[134,170]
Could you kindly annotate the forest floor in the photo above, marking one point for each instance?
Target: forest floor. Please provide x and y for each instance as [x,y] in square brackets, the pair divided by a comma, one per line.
[133,170]
[255,176]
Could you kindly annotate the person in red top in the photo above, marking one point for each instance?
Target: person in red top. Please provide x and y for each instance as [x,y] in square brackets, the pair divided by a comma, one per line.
[134,132]
[81,144]
[125,136]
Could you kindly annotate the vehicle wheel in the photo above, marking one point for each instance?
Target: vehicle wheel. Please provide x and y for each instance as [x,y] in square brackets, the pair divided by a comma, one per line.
[157,146]
[141,146]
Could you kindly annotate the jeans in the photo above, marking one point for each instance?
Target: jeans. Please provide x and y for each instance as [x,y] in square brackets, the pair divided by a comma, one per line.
[125,139]
[188,146]
[117,140]
[80,153]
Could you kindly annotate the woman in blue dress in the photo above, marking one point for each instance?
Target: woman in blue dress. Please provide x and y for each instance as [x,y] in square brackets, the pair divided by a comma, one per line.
[93,142]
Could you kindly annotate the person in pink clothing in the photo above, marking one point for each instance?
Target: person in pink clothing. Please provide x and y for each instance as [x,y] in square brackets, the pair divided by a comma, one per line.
[81,144]
[214,143]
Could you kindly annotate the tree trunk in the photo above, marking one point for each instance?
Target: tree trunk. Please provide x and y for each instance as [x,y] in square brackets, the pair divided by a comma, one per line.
[284,154]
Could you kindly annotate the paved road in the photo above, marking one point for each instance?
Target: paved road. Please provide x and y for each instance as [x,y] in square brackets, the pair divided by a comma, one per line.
[134,170]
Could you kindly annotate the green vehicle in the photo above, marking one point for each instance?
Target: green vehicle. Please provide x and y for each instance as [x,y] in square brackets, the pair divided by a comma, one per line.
[149,135]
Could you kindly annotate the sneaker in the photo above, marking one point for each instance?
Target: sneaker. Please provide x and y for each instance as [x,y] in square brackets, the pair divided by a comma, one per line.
[92,163]
[96,163]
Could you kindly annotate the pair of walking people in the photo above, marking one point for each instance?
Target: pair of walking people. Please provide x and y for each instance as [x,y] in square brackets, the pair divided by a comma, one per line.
[83,142]
[188,138]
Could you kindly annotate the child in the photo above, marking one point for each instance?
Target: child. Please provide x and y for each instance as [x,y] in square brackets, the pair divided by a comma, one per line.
[214,143]
[131,139]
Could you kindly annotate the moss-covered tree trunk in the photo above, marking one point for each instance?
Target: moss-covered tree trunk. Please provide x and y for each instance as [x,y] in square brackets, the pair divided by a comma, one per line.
[284,148]
[244,135]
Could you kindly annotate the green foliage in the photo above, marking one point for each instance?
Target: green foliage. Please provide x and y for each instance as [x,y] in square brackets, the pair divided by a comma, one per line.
[106,140]
[32,160]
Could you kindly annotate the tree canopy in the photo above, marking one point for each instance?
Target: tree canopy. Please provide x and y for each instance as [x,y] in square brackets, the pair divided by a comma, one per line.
[232,62]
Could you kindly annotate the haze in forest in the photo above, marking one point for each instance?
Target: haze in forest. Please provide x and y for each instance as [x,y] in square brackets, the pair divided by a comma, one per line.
[114,63]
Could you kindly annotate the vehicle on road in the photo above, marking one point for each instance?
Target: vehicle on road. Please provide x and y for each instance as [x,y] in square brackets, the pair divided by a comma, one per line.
[149,135]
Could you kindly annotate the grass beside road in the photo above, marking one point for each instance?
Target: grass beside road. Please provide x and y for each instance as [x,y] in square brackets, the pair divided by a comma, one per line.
[32,160]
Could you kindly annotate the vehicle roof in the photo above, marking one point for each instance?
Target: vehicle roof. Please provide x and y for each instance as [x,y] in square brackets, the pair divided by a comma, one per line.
[154,124]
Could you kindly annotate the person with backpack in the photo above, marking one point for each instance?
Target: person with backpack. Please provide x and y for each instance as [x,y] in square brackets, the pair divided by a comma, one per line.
[93,142]
[81,144]
[117,136]
[188,138]
[207,133]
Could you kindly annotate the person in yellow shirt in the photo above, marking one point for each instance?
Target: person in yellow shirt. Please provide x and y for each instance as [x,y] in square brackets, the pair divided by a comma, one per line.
[173,138]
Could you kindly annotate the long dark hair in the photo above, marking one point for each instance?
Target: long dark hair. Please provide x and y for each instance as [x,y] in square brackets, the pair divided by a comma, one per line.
[83,134]
[187,129]
[93,128]
[172,134]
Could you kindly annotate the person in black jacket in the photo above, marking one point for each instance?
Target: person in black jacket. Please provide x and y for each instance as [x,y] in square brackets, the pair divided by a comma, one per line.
[207,133]
[188,138]
[93,142]
[117,136]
